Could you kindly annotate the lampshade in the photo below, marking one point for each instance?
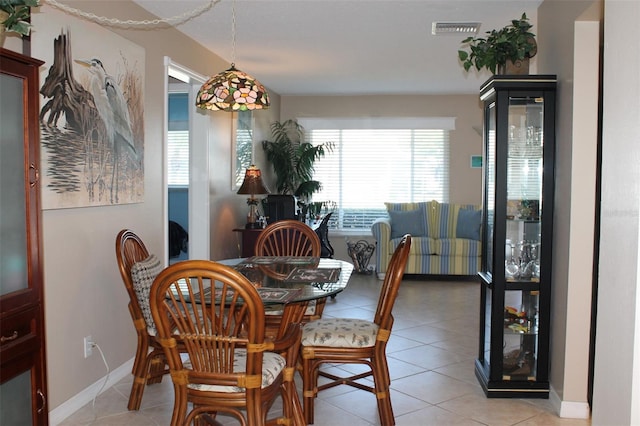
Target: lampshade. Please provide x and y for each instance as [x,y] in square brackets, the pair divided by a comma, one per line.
[232,90]
[252,183]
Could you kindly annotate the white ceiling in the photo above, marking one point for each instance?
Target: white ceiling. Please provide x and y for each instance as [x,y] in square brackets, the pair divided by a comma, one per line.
[346,47]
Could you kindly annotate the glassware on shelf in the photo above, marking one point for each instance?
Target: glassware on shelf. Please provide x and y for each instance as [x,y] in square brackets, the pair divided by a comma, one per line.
[535,261]
[511,268]
[525,257]
[529,262]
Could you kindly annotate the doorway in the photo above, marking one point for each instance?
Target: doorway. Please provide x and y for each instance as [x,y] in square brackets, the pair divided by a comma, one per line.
[186,176]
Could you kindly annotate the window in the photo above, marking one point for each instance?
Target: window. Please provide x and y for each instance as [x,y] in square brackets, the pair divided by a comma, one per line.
[178,139]
[244,146]
[387,161]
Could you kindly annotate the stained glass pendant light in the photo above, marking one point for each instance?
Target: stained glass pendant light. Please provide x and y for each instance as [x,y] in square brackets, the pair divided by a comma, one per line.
[232,90]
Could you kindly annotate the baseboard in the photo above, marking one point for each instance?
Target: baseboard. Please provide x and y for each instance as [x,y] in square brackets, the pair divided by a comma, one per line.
[569,409]
[73,404]
[443,277]
[435,277]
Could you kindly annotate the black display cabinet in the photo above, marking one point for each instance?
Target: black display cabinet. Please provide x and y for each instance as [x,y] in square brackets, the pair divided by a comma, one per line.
[519,141]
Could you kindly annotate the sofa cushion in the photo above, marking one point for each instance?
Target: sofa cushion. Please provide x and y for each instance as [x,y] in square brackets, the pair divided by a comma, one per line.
[419,246]
[402,206]
[443,218]
[439,216]
[457,247]
[468,225]
[407,222]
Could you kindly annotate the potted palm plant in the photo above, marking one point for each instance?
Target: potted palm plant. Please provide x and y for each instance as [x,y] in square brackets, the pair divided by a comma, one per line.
[293,161]
[14,15]
[511,45]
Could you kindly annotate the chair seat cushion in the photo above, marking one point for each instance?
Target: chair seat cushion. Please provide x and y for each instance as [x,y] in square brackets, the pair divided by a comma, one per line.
[142,275]
[340,333]
[272,366]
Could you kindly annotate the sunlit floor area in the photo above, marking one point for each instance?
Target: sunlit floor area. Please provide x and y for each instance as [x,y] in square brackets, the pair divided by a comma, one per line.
[431,357]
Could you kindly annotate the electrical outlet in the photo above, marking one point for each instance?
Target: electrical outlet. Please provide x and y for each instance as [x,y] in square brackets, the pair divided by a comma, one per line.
[88,346]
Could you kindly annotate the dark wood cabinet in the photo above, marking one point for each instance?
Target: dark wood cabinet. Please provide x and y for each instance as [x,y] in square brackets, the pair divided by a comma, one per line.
[23,384]
[248,238]
[519,144]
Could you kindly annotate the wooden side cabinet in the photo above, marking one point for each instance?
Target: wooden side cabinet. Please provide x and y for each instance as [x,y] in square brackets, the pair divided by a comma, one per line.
[517,228]
[23,384]
[248,241]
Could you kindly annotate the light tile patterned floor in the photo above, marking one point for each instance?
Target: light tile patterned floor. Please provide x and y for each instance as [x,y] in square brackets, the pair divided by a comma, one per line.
[431,357]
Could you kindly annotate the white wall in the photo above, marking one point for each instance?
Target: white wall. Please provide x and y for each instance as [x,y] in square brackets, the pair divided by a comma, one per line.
[581,225]
[563,49]
[616,398]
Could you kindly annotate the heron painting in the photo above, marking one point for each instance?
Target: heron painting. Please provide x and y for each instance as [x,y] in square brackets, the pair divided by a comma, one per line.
[114,113]
[92,119]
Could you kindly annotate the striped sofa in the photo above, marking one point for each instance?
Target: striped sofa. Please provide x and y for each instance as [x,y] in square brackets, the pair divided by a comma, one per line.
[446,237]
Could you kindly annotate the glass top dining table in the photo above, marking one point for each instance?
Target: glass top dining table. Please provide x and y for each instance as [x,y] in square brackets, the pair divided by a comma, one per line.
[293,282]
[288,279]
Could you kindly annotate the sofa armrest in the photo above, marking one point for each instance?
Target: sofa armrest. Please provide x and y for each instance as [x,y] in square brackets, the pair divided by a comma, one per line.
[381,231]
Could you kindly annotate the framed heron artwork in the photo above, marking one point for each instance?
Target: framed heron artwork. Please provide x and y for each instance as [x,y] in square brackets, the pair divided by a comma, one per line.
[91,113]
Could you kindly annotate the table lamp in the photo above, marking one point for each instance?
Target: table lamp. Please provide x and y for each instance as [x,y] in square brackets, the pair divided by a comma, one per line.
[252,185]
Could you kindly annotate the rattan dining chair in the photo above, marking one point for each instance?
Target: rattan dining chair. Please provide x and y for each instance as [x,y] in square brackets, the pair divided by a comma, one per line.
[355,341]
[290,238]
[149,364]
[217,314]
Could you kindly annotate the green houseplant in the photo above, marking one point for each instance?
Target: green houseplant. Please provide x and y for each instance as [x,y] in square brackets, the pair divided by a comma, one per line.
[514,43]
[16,15]
[293,160]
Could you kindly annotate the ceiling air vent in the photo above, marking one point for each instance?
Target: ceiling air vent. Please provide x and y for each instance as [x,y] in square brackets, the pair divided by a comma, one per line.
[438,28]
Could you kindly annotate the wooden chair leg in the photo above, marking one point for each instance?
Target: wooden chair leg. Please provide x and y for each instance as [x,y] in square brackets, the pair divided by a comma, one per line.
[139,380]
[383,392]
[137,389]
[179,416]
[149,370]
[157,367]
[309,388]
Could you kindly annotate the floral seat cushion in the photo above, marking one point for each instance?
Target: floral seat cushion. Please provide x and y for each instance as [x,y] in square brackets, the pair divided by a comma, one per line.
[340,333]
[272,366]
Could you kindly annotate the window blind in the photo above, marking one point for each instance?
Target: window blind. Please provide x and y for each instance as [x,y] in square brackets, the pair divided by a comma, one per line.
[244,145]
[178,140]
[178,157]
[371,166]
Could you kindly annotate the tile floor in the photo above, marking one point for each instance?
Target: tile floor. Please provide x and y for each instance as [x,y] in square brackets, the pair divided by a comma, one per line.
[431,356]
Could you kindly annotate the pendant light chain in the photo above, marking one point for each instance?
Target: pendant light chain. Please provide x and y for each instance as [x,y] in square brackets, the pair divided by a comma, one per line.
[232,90]
[174,20]
[233,33]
